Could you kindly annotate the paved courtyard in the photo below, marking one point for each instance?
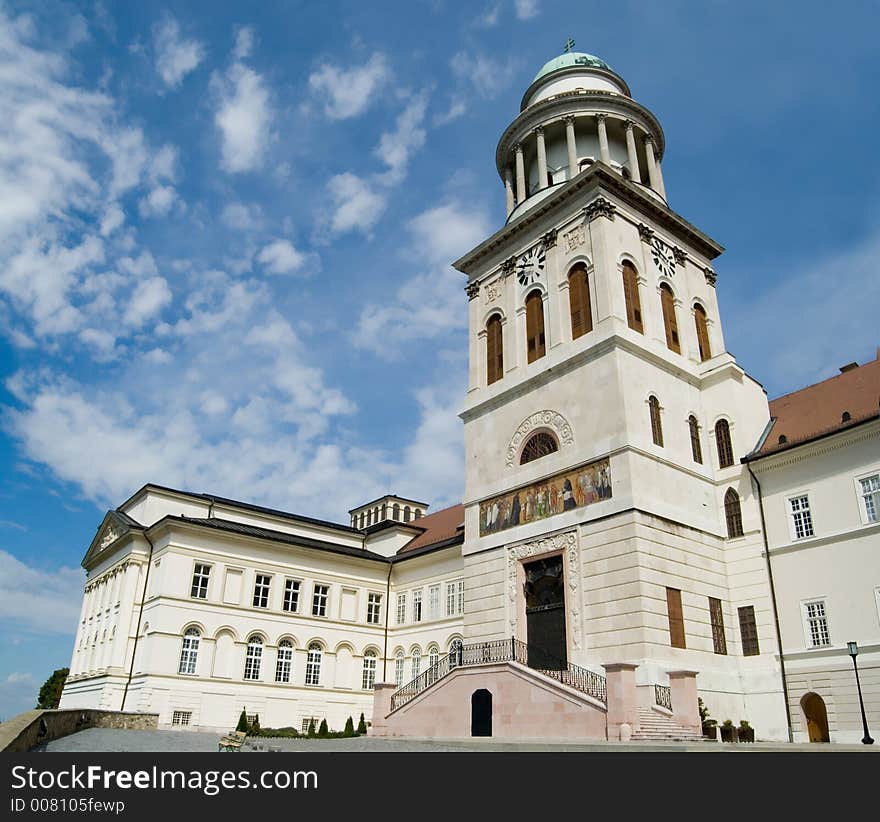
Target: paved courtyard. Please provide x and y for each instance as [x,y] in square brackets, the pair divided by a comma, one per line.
[107,740]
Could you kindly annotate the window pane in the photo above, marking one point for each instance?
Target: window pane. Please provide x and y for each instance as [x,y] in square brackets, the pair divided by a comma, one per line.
[719,641]
[676,619]
[748,630]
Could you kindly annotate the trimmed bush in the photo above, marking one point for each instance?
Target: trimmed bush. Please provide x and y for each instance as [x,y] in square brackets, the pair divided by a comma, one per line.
[349,727]
[323,730]
[362,725]
[243,723]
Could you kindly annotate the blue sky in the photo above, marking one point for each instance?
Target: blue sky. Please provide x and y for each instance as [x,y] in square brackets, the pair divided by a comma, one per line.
[225,236]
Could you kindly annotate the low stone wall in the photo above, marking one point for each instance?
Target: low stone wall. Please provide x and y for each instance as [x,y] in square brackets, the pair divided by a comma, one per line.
[25,731]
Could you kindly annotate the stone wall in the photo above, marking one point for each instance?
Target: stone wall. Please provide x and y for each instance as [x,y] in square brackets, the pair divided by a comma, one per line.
[25,731]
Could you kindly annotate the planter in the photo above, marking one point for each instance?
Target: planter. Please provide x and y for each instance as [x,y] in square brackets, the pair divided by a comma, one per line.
[729,734]
[745,734]
[710,731]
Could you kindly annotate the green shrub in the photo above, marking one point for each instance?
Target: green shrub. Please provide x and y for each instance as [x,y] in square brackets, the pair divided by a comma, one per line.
[311,731]
[323,731]
[243,723]
[362,725]
[349,727]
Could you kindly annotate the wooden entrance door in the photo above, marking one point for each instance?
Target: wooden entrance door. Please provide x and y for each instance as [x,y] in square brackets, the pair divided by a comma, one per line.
[545,614]
[813,707]
[481,713]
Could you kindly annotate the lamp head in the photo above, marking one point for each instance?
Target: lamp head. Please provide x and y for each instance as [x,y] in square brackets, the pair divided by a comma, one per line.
[853,648]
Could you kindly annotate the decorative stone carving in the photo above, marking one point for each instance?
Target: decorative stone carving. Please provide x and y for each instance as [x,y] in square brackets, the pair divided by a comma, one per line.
[541,419]
[539,131]
[472,290]
[600,117]
[493,292]
[645,234]
[711,276]
[567,542]
[680,255]
[111,534]
[549,238]
[508,265]
[573,239]
[600,207]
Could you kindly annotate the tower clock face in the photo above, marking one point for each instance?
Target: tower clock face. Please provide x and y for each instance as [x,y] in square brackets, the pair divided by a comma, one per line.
[664,259]
[531,265]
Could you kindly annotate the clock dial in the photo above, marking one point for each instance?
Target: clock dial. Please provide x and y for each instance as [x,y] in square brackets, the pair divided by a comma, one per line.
[530,265]
[663,257]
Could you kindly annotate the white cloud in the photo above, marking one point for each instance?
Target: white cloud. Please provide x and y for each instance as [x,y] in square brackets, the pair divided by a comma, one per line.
[358,204]
[486,75]
[280,257]
[148,299]
[175,56]
[456,109]
[432,302]
[349,92]
[244,118]
[158,202]
[525,9]
[39,600]
[113,218]
[489,18]
[244,43]
[241,217]
[396,147]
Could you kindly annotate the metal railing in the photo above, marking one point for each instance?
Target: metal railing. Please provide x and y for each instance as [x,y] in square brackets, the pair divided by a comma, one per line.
[663,696]
[504,650]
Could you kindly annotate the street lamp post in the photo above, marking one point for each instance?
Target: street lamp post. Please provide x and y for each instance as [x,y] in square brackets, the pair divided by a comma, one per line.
[853,649]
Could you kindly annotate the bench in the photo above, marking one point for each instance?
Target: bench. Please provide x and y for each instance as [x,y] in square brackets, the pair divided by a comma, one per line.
[232,742]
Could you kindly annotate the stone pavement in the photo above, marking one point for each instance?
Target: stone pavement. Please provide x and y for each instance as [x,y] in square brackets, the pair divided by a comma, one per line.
[109,740]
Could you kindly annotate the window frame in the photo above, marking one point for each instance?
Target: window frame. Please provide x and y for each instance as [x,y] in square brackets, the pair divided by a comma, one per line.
[542,436]
[374,608]
[670,318]
[738,513]
[801,517]
[284,664]
[751,622]
[863,509]
[258,575]
[805,618]
[206,577]
[400,608]
[314,660]
[434,601]
[675,622]
[494,348]
[324,603]
[579,300]
[727,452]
[536,326]
[632,299]
[701,322]
[399,669]
[189,652]
[454,597]
[368,671]
[716,621]
[417,610]
[253,662]
[286,596]
[181,718]
[656,420]
[696,445]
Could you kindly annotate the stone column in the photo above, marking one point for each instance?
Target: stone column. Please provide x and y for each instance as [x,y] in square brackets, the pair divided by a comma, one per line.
[508,190]
[622,701]
[631,153]
[542,158]
[604,153]
[520,173]
[382,692]
[683,690]
[571,143]
[651,157]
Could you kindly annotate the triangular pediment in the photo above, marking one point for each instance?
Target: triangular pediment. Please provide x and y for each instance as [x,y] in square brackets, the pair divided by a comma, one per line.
[114,526]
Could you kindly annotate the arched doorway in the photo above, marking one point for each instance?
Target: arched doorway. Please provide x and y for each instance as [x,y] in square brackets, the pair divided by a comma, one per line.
[481,713]
[813,707]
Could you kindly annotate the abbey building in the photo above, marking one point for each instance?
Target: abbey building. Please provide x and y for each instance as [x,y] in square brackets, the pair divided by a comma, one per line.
[639,526]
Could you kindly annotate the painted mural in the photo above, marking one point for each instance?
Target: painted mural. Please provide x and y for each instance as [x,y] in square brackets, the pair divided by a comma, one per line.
[574,489]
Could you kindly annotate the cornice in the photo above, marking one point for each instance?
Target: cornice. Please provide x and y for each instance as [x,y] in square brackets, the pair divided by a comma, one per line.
[815,447]
[826,539]
[569,70]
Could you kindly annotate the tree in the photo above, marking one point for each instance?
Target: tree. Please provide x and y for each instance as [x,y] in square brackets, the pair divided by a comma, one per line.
[242,722]
[255,726]
[50,693]
[323,730]
[349,727]
[311,731]
[362,725]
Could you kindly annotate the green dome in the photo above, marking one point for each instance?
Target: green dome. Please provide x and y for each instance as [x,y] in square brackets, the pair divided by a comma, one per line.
[570,60]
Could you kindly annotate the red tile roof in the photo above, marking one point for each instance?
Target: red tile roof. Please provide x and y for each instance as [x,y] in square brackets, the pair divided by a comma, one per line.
[439,526]
[820,409]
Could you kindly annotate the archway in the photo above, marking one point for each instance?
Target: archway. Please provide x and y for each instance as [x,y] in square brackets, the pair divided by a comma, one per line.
[813,707]
[481,713]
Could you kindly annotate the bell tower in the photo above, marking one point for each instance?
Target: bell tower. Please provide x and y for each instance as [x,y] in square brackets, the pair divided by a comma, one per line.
[604,418]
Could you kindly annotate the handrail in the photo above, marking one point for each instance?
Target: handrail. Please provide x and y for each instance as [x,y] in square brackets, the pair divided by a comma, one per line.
[504,650]
[663,696]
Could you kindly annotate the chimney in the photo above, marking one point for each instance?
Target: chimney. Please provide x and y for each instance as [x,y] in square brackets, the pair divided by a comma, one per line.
[848,367]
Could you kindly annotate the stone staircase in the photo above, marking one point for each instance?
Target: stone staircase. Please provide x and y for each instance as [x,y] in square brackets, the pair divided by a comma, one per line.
[660,727]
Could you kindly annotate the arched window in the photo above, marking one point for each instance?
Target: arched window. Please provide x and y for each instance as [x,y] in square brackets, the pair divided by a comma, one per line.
[702,332]
[369,675]
[722,442]
[416,662]
[494,350]
[398,669]
[313,664]
[395,512]
[254,657]
[406,513]
[189,652]
[535,343]
[284,661]
[667,303]
[455,649]
[631,294]
[537,446]
[694,428]
[733,514]
[656,426]
[579,301]
[433,655]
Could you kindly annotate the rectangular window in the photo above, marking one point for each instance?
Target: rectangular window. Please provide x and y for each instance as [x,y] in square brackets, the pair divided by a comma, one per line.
[181,717]
[748,630]
[719,641]
[200,581]
[261,591]
[870,487]
[398,671]
[291,595]
[314,721]
[434,602]
[368,677]
[817,623]
[417,605]
[676,619]
[374,608]
[401,608]
[319,600]
[801,519]
[455,597]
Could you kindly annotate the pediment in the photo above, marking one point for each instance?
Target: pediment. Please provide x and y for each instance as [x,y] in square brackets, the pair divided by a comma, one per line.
[113,527]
